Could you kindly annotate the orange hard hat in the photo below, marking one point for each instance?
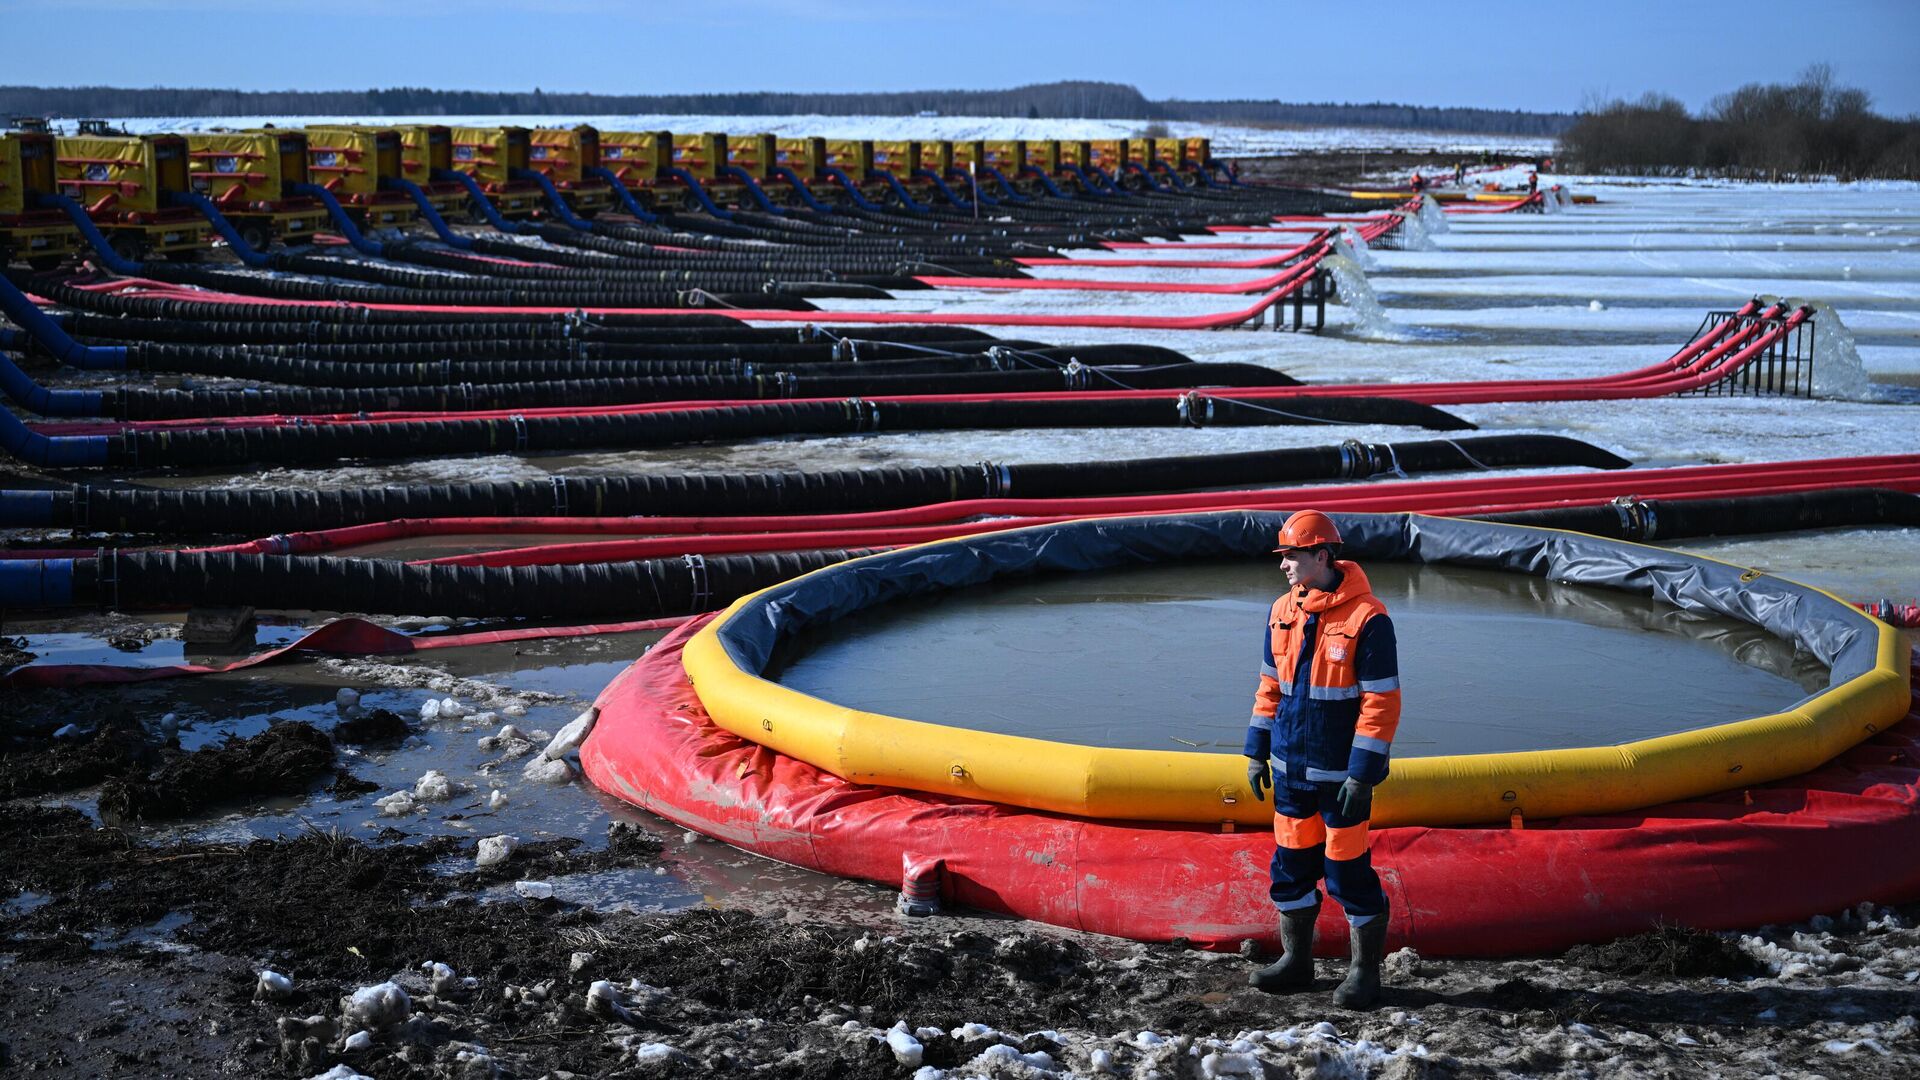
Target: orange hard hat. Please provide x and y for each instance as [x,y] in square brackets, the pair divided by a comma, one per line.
[1307,528]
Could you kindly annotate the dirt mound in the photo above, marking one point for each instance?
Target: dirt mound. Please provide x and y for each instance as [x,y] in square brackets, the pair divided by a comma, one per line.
[34,765]
[374,725]
[282,760]
[1668,952]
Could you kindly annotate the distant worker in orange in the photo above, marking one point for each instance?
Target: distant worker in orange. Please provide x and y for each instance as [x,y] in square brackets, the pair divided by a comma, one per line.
[1533,182]
[1419,183]
[1322,730]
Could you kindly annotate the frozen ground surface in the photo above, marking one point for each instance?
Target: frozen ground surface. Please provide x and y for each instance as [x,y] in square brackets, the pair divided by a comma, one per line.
[1599,289]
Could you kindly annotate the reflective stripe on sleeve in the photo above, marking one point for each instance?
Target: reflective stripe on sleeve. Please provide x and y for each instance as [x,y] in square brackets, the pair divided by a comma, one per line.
[1368,742]
[1333,693]
[1380,686]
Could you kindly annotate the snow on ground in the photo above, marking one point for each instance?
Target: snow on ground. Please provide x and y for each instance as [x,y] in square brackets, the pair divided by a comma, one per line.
[1229,140]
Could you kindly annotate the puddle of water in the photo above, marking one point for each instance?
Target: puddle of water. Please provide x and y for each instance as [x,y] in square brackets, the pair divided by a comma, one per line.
[1167,657]
[155,935]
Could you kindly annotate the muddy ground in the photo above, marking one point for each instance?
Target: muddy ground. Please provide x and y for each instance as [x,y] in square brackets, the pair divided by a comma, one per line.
[125,955]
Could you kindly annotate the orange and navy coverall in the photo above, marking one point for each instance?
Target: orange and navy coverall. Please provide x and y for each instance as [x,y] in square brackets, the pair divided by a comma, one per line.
[1326,710]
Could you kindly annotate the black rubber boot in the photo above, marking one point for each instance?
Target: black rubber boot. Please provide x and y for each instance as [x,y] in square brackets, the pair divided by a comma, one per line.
[1361,988]
[1293,972]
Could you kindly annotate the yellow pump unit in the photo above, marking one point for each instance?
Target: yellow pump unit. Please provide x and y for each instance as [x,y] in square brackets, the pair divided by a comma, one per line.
[41,237]
[700,154]
[563,156]
[491,156]
[352,163]
[635,157]
[754,155]
[246,175]
[119,180]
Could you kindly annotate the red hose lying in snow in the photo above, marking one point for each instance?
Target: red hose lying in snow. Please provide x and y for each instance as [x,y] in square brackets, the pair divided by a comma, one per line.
[1286,280]
[1707,359]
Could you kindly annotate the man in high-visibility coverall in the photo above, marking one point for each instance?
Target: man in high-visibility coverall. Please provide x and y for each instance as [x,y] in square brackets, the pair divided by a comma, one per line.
[1323,724]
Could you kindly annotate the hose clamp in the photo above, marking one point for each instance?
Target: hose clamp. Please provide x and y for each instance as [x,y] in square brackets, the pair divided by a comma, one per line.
[82,507]
[1076,374]
[1636,517]
[1195,409]
[278,544]
[559,496]
[702,592]
[786,384]
[519,432]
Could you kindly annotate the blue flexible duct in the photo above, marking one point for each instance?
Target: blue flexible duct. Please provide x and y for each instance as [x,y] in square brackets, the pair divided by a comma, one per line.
[853,189]
[620,189]
[1088,183]
[1013,195]
[699,192]
[1233,177]
[1113,185]
[753,189]
[906,197]
[940,186]
[53,450]
[1172,176]
[20,388]
[1046,181]
[554,199]
[38,325]
[487,209]
[973,185]
[1152,181]
[800,188]
[447,235]
[221,225]
[342,223]
[109,258]
[35,583]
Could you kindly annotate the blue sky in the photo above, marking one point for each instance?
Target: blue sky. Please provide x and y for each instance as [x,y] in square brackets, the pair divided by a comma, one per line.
[1532,55]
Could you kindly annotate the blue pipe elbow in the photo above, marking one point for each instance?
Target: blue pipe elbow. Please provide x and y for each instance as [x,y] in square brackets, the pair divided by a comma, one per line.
[753,188]
[973,185]
[20,388]
[27,315]
[109,258]
[53,450]
[341,221]
[800,188]
[699,192]
[440,226]
[906,197]
[1046,181]
[1013,195]
[487,209]
[940,186]
[620,190]
[853,190]
[560,208]
[256,259]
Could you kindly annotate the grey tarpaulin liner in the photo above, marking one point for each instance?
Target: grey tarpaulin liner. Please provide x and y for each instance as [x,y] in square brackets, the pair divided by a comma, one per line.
[1830,630]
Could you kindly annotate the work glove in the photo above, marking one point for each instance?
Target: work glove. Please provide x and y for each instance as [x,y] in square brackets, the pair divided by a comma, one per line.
[1355,799]
[1258,777]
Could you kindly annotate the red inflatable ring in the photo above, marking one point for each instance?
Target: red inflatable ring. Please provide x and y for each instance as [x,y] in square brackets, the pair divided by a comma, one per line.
[1722,862]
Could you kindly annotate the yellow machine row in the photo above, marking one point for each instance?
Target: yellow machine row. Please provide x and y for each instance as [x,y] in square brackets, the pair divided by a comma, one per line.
[125,184]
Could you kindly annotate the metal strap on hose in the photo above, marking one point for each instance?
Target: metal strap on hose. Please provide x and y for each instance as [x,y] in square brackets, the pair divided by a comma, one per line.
[1195,408]
[999,479]
[107,578]
[82,507]
[864,414]
[1076,374]
[702,584]
[1637,518]
[786,384]
[519,432]
[559,496]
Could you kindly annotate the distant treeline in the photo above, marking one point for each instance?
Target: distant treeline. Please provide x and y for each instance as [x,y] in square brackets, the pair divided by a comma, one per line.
[1089,100]
[1807,128]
